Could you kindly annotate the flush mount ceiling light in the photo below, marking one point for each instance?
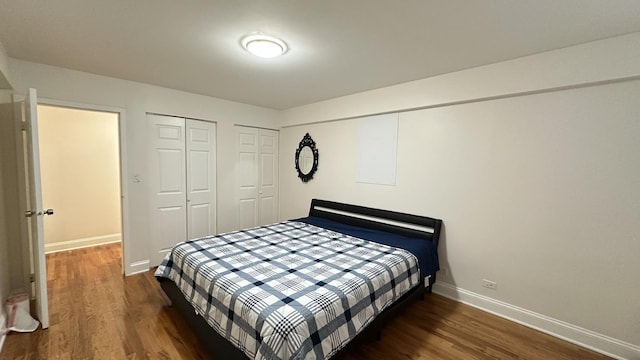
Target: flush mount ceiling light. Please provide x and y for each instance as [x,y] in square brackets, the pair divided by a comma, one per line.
[264,46]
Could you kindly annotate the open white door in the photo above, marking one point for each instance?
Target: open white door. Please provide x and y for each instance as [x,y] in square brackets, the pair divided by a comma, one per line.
[36,212]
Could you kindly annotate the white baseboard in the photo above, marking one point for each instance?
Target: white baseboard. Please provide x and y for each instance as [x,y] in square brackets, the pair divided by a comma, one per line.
[137,267]
[600,343]
[81,243]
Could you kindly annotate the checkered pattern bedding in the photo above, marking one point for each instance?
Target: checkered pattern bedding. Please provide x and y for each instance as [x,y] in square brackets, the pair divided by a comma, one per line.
[289,290]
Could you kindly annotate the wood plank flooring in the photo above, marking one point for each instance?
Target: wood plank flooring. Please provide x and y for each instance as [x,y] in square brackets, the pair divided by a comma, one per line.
[96,313]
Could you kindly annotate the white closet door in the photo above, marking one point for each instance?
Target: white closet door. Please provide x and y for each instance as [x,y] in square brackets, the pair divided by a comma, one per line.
[167,184]
[201,175]
[257,176]
[268,191]
[247,176]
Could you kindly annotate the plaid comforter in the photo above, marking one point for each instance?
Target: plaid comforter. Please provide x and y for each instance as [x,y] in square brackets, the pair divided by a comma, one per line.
[289,290]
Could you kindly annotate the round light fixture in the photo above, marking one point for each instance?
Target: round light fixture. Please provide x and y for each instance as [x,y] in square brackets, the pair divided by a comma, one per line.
[264,46]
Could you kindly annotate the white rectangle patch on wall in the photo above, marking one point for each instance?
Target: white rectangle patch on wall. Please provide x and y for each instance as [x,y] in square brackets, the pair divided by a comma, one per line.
[377,149]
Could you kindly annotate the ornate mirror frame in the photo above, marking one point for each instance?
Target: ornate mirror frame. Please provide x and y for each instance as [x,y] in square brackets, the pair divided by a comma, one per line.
[307,141]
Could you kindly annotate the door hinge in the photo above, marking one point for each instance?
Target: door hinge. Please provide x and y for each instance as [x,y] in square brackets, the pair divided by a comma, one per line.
[32,278]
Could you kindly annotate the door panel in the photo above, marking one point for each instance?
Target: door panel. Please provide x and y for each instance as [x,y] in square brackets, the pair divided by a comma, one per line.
[36,225]
[171,181]
[267,167]
[166,184]
[268,192]
[248,171]
[248,209]
[183,181]
[198,215]
[257,171]
[199,181]
[171,226]
[201,175]
[247,168]
[267,206]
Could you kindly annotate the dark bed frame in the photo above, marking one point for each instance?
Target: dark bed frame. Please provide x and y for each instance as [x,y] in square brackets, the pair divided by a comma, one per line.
[414,226]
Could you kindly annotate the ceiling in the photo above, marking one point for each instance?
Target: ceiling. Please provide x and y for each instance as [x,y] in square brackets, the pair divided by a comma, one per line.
[337,47]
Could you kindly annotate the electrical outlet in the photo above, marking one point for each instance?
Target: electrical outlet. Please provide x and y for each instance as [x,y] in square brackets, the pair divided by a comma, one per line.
[489,284]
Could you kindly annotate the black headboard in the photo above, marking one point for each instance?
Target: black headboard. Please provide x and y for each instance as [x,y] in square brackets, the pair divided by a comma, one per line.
[384,220]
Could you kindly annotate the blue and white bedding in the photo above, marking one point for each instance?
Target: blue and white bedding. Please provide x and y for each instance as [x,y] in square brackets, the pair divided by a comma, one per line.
[425,250]
[289,290]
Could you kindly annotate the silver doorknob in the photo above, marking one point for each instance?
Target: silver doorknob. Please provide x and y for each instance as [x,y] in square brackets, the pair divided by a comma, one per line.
[45,212]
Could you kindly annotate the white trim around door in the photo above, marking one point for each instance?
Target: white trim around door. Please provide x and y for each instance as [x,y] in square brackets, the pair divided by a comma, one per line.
[127,269]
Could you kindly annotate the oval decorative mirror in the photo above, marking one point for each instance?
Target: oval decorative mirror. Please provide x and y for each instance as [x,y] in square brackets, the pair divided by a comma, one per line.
[306,158]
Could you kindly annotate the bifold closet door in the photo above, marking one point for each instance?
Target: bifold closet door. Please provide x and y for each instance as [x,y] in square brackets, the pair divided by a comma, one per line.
[268,165]
[257,176]
[182,181]
[167,177]
[201,180]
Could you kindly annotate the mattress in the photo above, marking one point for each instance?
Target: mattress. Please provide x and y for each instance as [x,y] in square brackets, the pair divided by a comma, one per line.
[290,290]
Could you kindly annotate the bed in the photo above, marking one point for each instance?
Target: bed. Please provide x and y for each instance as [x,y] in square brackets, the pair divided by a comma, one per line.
[306,288]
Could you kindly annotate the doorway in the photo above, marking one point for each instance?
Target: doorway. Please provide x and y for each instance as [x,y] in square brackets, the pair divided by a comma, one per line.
[80,174]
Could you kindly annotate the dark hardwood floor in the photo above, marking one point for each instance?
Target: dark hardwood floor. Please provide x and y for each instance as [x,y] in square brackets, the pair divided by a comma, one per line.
[96,313]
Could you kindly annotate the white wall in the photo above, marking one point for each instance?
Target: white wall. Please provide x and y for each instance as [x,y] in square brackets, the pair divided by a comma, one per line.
[594,62]
[5,82]
[136,99]
[80,175]
[539,192]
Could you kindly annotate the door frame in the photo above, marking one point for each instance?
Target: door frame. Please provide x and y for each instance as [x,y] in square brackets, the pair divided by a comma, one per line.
[124,193]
